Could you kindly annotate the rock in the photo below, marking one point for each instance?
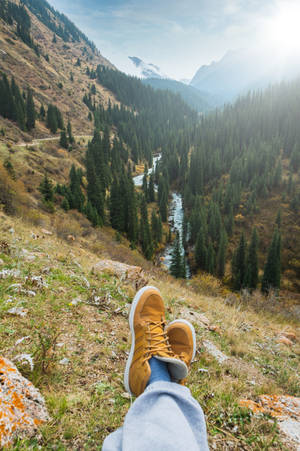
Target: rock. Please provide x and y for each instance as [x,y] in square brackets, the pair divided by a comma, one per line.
[285,341]
[5,273]
[18,311]
[64,361]
[22,408]
[214,328]
[46,232]
[71,238]
[195,317]
[285,409]
[28,256]
[37,281]
[132,274]
[290,335]
[214,351]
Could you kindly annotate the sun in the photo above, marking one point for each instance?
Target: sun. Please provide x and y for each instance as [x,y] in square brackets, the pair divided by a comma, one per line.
[282,31]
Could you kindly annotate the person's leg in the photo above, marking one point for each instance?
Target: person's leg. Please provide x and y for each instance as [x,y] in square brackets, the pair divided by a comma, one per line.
[165,416]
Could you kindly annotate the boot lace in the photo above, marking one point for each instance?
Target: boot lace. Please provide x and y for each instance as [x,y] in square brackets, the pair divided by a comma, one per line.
[157,340]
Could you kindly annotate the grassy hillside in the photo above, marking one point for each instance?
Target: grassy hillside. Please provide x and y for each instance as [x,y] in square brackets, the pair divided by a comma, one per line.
[49,75]
[82,317]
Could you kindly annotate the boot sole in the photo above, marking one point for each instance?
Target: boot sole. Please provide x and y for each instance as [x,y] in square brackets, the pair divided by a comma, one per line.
[134,304]
[184,321]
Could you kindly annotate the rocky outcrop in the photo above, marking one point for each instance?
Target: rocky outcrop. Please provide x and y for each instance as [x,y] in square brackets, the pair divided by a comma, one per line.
[127,273]
[22,407]
[286,410]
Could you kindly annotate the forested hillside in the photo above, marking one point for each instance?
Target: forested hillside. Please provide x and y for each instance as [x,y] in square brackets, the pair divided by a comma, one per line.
[242,172]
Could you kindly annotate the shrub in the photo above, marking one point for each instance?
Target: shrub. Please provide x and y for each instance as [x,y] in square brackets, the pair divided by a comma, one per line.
[12,193]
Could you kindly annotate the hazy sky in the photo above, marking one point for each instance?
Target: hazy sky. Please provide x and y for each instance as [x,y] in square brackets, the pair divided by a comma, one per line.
[177,35]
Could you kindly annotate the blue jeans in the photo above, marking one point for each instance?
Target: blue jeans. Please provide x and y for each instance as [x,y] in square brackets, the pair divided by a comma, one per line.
[164,418]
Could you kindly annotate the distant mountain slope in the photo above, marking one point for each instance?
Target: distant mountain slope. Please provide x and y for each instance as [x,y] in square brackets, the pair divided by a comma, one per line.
[200,101]
[243,70]
[146,70]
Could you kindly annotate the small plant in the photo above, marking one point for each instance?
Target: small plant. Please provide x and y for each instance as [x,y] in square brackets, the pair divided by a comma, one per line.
[45,353]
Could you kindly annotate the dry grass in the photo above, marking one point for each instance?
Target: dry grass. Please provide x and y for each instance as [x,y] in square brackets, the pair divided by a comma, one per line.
[95,340]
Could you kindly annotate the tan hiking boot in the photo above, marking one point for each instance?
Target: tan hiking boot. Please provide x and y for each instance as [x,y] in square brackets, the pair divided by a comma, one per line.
[149,339]
[182,339]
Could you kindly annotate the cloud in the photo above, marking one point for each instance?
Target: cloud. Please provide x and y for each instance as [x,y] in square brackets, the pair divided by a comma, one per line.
[177,35]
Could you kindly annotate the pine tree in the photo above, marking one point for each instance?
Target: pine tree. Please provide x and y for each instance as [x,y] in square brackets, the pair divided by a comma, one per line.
[252,262]
[211,259]
[64,140]
[65,204]
[51,119]
[145,234]
[145,186]
[30,111]
[151,191]
[271,277]
[239,265]
[42,112]
[201,251]
[70,135]
[176,267]
[46,188]
[221,257]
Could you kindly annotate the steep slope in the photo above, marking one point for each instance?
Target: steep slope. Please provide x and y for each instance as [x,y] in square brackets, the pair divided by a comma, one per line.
[200,101]
[75,329]
[57,74]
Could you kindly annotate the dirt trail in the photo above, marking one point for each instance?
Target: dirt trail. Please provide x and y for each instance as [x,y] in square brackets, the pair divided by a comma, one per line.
[54,138]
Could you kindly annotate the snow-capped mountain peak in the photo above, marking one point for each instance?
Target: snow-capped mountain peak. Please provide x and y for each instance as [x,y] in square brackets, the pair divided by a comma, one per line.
[146,70]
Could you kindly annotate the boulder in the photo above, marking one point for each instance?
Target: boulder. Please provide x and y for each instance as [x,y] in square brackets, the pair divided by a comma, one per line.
[211,349]
[127,273]
[195,318]
[22,407]
[285,341]
[285,409]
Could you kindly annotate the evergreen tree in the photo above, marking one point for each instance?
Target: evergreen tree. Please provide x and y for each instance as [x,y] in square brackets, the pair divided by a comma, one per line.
[30,111]
[145,234]
[176,267]
[156,228]
[151,191]
[46,188]
[145,186]
[64,140]
[201,251]
[221,257]
[65,204]
[239,265]
[70,135]
[252,262]
[271,277]
[211,259]
[42,112]
[52,119]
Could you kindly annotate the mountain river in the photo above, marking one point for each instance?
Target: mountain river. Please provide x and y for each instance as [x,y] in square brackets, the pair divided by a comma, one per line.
[175,217]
